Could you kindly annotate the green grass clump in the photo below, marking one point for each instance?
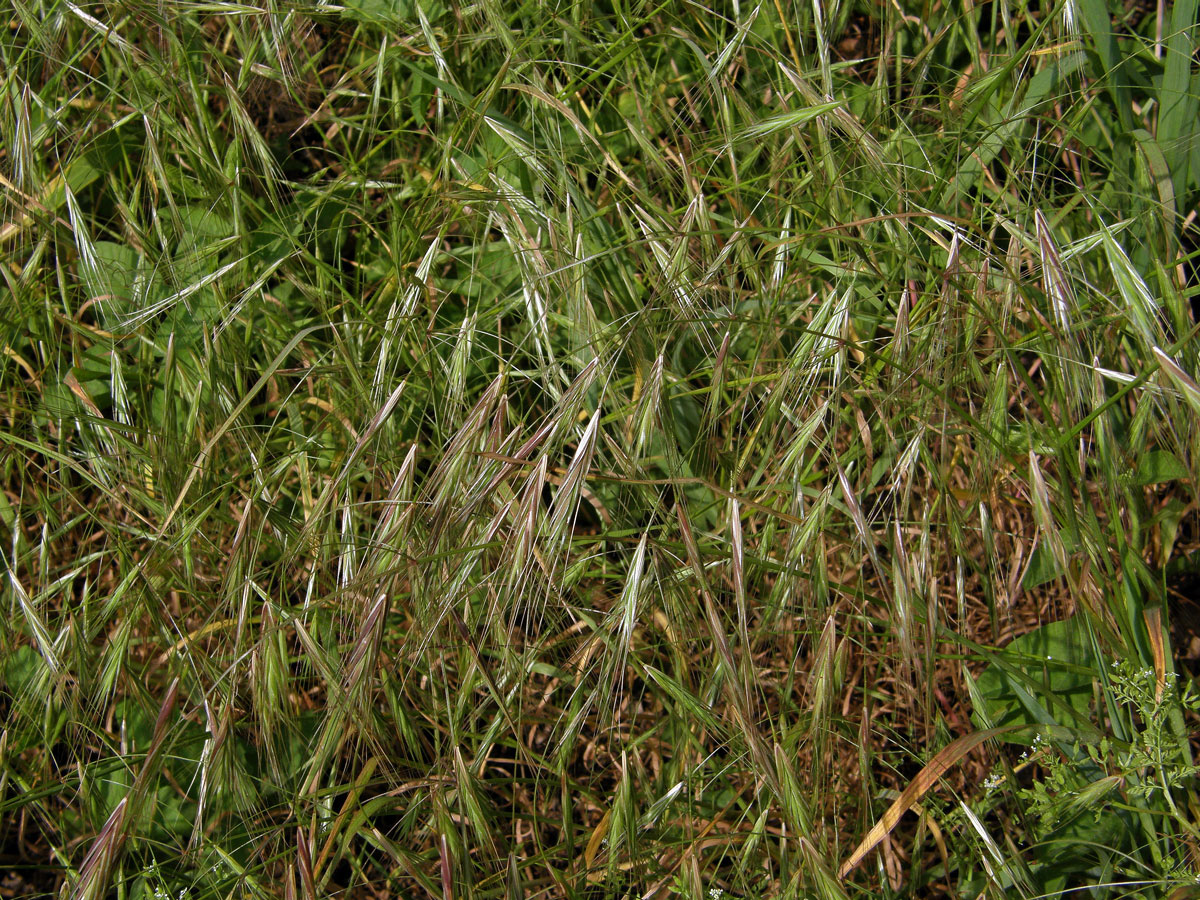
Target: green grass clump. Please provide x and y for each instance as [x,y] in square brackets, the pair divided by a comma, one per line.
[585,450]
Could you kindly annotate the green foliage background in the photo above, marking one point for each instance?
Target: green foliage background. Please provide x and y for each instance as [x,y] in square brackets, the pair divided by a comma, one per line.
[596,449]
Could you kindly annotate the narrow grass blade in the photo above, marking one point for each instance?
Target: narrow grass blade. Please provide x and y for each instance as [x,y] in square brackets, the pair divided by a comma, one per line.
[928,776]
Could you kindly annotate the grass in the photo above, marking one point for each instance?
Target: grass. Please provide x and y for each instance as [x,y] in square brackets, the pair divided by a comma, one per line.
[585,450]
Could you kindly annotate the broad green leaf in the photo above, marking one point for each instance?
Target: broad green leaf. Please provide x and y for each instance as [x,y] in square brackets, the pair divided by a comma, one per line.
[1178,129]
[1043,568]
[1159,466]
[1057,656]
